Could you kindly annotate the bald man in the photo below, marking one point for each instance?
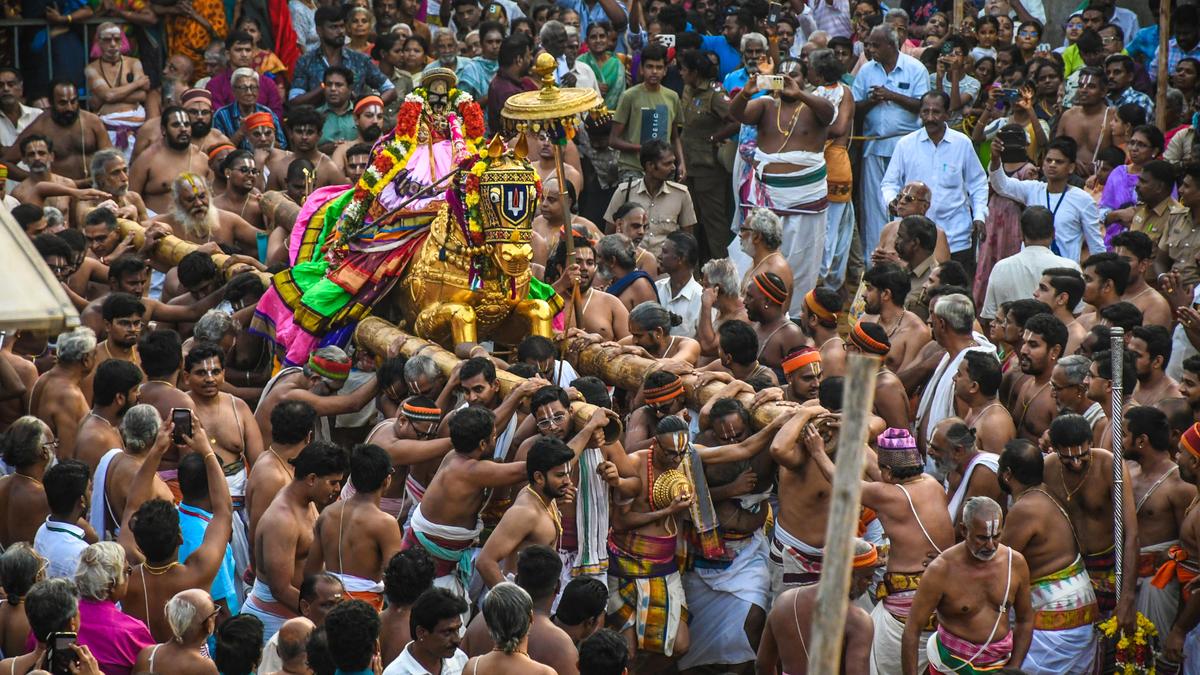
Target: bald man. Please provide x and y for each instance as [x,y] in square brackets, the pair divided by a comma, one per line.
[192,616]
[285,654]
[913,200]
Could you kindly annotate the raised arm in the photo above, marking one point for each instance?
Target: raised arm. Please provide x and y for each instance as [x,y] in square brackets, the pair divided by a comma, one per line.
[341,404]
[748,448]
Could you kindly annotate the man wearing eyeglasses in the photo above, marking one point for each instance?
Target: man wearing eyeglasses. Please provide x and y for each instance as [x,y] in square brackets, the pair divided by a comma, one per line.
[241,183]
[412,443]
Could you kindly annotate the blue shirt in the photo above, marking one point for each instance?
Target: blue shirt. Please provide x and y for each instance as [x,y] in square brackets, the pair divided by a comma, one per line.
[228,120]
[310,73]
[193,521]
[1144,43]
[731,58]
[1131,95]
[887,118]
[595,12]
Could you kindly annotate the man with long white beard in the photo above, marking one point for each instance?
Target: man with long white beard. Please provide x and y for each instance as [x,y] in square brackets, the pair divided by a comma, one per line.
[173,155]
[194,218]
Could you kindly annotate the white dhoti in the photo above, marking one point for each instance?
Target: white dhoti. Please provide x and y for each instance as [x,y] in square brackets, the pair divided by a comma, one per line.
[451,549]
[794,563]
[839,232]
[100,513]
[122,126]
[1160,605]
[875,212]
[719,599]
[268,610]
[889,616]
[1064,638]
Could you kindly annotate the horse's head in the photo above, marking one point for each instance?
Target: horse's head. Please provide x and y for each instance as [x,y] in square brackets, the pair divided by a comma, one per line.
[508,201]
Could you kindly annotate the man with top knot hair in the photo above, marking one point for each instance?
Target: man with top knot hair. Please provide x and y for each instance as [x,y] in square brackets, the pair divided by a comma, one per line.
[819,321]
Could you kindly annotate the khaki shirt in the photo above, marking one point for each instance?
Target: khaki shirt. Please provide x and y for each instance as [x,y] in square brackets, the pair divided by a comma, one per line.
[1159,219]
[668,210]
[704,113]
[1182,243]
[917,276]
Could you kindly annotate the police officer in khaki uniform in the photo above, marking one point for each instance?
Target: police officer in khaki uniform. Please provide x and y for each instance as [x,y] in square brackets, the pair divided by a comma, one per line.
[668,204]
[706,126]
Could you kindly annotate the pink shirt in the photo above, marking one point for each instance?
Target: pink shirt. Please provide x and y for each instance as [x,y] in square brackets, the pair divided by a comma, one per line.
[114,637]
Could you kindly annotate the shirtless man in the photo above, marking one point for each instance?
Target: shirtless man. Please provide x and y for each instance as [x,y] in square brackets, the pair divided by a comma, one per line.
[183,650]
[411,441]
[1070,393]
[110,174]
[975,386]
[912,200]
[241,195]
[819,322]
[887,286]
[155,527]
[317,384]
[913,510]
[1137,249]
[1151,347]
[1098,388]
[115,492]
[1163,499]
[534,517]
[760,236]
[285,533]
[118,87]
[260,130]
[115,391]
[1043,342]
[198,105]
[364,538]
[617,265]
[235,437]
[778,336]
[38,154]
[368,120]
[971,587]
[630,220]
[1105,277]
[1061,288]
[57,398]
[1087,120]
[79,134]
[123,315]
[549,224]
[303,125]
[28,453]
[1040,528]
[173,156]
[541,152]
[1080,478]
[891,402]
[1189,545]
[966,470]
[783,641]
[193,217]
[27,372]
[600,312]
[266,478]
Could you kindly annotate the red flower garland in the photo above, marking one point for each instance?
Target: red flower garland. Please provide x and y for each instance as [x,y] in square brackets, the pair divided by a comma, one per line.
[407,118]
[472,118]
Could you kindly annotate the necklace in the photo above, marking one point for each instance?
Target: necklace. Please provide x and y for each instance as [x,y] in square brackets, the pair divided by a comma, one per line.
[101,418]
[120,69]
[897,326]
[286,467]
[159,570]
[30,479]
[792,126]
[555,515]
[750,274]
[1062,477]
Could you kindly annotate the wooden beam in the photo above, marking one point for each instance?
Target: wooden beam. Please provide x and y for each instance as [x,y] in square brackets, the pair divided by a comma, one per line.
[171,249]
[1164,42]
[833,591]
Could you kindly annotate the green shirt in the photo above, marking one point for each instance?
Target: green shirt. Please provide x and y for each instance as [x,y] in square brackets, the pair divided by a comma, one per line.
[338,127]
[646,115]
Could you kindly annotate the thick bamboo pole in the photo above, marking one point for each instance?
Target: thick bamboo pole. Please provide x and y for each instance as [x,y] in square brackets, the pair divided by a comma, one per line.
[1164,37]
[829,625]
[385,340]
[171,249]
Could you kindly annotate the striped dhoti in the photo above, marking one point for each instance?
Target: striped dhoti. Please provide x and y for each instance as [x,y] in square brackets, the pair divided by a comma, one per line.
[645,589]
[1064,606]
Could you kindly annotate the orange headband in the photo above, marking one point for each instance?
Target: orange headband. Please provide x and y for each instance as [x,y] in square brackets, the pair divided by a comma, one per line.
[867,343]
[366,101]
[1190,440]
[800,359]
[867,559]
[667,392]
[212,154]
[259,119]
[810,301]
[774,293]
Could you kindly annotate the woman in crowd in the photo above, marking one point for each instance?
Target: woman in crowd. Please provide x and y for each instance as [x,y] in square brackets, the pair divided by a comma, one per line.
[1029,39]
[20,568]
[114,637]
[27,449]
[508,612]
[610,72]
[416,55]
[360,26]
[1117,202]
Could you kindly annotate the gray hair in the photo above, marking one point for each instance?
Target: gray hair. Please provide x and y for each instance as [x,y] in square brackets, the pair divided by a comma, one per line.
[1175,98]
[767,224]
[650,315]
[24,442]
[101,567]
[890,32]
[896,13]
[332,353]
[19,568]
[957,311]
[1075,367]
[722,273]
[824,63]
[439,32]
[180,614]
[50,605]
[53,216]
[420,366]
[139,427]
[618,247]
[981,506]
[752,37]
[102,158]
[508,611]
[75,345]
[213,326]
[243,73]
[959,434]
[551,26]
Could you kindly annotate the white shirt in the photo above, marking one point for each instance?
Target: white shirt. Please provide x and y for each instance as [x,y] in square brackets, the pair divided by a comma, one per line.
[1076,216]
[685,303]
[1016,277]
[585,77]
[405,664]
[951,170]
[60,544]
[10,131]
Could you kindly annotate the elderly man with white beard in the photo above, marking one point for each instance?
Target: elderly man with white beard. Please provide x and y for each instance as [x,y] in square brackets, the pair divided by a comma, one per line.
[194,218]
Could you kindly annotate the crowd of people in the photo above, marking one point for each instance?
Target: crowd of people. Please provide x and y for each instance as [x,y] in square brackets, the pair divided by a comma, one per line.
[780,185]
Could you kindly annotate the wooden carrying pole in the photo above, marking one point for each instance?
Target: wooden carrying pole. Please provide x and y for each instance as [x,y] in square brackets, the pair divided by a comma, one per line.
[171,249]
[1164,38]
[385,340]
[833,591]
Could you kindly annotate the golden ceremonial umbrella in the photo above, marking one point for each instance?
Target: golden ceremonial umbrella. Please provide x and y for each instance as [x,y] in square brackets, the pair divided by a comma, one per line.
[556,112]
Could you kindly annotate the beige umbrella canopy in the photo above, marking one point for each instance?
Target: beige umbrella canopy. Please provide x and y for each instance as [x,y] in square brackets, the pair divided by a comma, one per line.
[30,297]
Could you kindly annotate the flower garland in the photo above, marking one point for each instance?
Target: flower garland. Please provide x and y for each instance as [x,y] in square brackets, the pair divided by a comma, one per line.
[1135,655]
[393,153]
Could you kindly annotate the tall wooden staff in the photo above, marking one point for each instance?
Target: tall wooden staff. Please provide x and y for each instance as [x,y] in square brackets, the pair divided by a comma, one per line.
[1117,347]
[829,624]
[1164,51]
